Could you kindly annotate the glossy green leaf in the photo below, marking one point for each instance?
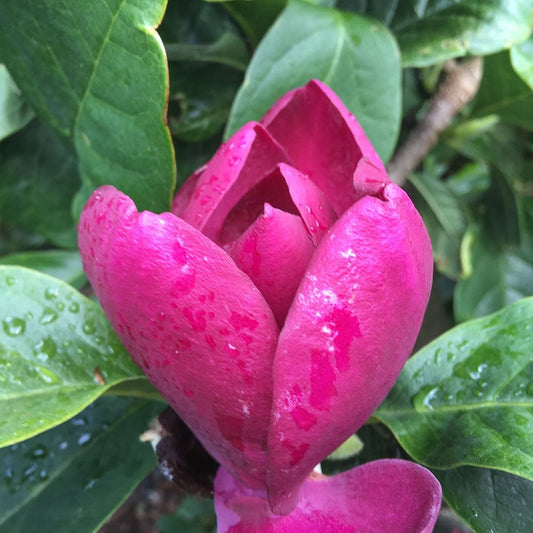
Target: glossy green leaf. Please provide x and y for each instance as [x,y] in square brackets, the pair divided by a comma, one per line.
[340,49]
[522,61]
[504,93]
[72,477]
[38,180]
[350,447]
[62,264]
[434,30]
[254,17]
[504,151]
[495,275]
[200,100]
[467,397]
[15,113]
[489,500]
[96,73]
[445,220]
[229,50]
[58,353]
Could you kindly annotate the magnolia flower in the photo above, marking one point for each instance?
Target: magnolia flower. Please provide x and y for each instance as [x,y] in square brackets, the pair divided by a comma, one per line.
[275,306]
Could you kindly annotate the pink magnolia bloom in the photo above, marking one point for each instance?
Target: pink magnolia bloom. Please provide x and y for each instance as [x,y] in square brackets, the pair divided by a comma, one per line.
[276,305]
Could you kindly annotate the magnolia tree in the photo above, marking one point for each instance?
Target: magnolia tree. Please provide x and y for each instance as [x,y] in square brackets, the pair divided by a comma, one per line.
[222,223]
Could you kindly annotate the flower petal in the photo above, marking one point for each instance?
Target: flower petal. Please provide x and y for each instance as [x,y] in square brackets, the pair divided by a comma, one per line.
[274,252]
[194,323]
[377,497]
[287,189]
[237,166]
[351,327]
[323,140]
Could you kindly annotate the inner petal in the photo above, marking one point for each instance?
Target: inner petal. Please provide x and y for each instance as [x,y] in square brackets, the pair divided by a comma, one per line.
[274,251]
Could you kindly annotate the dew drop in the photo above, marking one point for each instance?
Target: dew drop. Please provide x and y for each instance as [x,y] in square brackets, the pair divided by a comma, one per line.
[14,326]
[60,306]
[425,398]
[45,349]
[74,307]
[47,375]
[10,280]
[51,293]
[88,327]
[48,316]
[84,439]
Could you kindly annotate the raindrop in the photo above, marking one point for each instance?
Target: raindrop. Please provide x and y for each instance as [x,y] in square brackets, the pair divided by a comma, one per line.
[45,349]
[426,398]
[10,280]
[14,326]
[74,307]
[48,316]
[50,293]
[60,306]
[47,375]
[38,452]
[84,439]
[88,327]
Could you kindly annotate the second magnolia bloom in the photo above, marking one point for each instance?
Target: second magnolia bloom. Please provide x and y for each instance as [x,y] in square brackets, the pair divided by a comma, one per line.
[275,307]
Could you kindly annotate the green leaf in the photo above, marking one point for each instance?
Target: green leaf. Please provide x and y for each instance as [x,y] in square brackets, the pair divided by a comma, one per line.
[340,49]
[58,353]
[467,397]
[200,100]
[96,73]
[38,180]
[495,275]
[15,113]
[445,220]
[229,50]
[62,264]
[504,93]
[505,149]
[489,500]
[431,31]
[74,476]
[350,447]
[254,17]
[522,61]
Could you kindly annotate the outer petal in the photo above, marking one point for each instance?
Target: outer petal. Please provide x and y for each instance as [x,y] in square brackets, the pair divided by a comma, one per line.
[378,497]
[237,166]
[323,140]
[192,321]
[352,325]
[274,252]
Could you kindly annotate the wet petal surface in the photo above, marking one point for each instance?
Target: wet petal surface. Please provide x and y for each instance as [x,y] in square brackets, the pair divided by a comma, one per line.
[195,324]
[352,325]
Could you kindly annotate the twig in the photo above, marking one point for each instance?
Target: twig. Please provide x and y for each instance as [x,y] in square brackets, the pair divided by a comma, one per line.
[458,88]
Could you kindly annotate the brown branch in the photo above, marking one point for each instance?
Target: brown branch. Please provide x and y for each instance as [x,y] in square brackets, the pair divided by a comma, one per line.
[456,90]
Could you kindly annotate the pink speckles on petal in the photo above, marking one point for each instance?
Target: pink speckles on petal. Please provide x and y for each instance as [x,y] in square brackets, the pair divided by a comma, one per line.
[196,318]
[172,326]
[303,418]
[322,380]
[343,327]
[350,329]
[241,321]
